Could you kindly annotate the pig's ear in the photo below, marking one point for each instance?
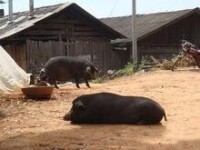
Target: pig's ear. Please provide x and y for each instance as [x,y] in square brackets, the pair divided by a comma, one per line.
[80,105]
[88,69]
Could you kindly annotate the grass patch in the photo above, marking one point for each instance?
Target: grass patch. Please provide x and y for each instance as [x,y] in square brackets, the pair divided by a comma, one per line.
[127,70]
[100,79]
[144,61]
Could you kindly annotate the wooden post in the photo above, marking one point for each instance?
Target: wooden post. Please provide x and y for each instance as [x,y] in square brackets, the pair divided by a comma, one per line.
[10,8]
[1,9]
[31,9]
[134,36]
[60,43]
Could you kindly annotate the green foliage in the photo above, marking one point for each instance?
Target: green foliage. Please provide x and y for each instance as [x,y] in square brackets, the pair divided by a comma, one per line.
[100,80]
[144,61]
[127,70]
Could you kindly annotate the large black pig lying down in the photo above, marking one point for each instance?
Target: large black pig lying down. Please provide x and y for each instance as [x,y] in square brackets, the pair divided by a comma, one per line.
[110,108]
[63,68]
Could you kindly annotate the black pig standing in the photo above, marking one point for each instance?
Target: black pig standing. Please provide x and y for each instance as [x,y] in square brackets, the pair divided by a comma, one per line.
[63,68]
[114,109]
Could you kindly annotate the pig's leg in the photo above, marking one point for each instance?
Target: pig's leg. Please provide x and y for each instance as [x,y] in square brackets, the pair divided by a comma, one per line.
[77,82]
[87,84]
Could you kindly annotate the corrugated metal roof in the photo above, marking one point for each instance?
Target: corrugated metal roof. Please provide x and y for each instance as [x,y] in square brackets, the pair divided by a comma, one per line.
[21,20]
[147,23]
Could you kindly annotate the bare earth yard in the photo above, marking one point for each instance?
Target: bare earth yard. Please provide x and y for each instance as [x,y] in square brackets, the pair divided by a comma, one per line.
[38,125]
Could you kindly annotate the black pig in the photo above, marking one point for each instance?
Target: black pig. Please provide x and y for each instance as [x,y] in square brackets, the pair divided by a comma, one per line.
[63,68]
[114,109]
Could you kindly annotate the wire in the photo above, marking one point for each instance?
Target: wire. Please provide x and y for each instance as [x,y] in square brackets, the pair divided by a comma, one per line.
[114,6]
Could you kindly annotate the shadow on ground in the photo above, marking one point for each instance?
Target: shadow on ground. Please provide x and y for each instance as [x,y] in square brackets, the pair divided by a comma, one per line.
[95,137]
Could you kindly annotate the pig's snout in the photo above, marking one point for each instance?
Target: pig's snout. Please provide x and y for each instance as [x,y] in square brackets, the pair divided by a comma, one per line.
[67,117]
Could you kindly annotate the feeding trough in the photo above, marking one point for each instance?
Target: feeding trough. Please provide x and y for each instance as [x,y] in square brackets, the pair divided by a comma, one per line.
[38,92]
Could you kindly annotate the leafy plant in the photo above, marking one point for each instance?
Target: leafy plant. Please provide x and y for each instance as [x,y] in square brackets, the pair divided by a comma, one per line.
[100,79]
[127,70]
[144,61]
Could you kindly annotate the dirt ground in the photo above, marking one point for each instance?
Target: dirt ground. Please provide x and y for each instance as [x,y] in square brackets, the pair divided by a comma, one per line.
[38,125]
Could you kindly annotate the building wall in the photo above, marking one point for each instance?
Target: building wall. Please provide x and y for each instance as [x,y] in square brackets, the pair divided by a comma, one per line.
[67,33]
[100,53]
[166,42]
[17,51]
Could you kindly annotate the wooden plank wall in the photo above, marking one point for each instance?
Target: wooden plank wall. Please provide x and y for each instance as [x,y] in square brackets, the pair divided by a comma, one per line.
[159,52]
[38,52]
[17,52]
[166,42]
[100,53]
[196,30]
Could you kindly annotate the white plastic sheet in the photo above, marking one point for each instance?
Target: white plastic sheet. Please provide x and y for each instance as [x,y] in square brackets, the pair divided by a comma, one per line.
[12,77]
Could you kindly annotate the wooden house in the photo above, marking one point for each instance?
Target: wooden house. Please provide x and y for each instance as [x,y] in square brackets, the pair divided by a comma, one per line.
[64,29]
[158,34]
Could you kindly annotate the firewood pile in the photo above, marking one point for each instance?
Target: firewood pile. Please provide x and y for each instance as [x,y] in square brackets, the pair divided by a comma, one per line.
[185,61]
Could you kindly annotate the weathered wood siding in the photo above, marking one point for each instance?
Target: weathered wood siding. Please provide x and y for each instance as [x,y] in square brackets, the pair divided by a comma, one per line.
[17,52]
[166,42]
[68,33]
[100,53]
[38,52]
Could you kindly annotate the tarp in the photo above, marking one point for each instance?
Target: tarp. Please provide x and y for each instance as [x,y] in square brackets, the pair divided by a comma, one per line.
[12,77]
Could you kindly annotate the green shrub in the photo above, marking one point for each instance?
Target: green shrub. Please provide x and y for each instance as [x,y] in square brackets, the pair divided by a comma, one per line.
[100,79]
[127,70]
[144,61]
